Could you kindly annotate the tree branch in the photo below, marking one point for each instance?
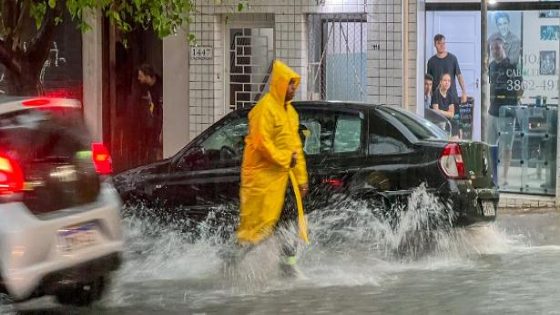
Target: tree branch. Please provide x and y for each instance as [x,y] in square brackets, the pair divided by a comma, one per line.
[23,12]
[8,19]
[39,45]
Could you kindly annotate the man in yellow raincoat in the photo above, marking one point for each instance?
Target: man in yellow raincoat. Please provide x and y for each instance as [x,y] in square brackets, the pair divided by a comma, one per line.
[273,149]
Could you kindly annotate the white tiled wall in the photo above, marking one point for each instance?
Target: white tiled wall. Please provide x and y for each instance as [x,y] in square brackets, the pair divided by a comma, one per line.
[385,65]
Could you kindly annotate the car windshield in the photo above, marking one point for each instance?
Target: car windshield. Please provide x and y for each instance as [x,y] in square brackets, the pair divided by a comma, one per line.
[420,127]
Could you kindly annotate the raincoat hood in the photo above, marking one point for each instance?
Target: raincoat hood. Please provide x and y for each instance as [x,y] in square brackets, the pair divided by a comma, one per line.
[280,79]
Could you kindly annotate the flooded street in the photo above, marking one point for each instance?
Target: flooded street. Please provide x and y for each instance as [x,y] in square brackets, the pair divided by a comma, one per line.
[510,267]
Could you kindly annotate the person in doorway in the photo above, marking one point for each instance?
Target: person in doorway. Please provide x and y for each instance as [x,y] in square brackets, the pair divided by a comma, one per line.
[150,113]
[273,154]
[505,90]
[445,62]
[428,85]
[430,114]
[443,101]
[512,43]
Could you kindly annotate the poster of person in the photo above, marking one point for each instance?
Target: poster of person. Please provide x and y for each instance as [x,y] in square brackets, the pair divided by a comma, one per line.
[547,62]
[506,25]
[550,32]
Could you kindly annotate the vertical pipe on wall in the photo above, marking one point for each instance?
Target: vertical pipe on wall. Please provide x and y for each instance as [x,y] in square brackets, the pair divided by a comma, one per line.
[555,165]
[420,55]
[484,84]
[404,45]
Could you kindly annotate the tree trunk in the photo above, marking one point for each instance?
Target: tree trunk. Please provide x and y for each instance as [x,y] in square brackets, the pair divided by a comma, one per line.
[26,81]
[23,66]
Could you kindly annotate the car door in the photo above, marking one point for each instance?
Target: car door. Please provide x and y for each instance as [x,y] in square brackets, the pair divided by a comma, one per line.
[390,155]
[334,148]
[206,176]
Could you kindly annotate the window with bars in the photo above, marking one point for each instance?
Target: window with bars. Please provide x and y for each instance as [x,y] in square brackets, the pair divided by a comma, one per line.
[337,57]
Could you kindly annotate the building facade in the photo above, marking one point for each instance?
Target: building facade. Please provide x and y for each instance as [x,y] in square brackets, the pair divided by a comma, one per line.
[365,50]
[346,50]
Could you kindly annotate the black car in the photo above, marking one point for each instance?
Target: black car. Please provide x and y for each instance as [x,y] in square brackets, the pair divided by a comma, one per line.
[375,152]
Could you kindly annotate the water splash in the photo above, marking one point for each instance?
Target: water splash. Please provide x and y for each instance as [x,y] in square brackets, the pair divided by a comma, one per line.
[405,229]
[351,244]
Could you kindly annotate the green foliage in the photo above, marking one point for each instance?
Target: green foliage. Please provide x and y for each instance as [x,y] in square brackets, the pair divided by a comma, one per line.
[165,17]
[37,11]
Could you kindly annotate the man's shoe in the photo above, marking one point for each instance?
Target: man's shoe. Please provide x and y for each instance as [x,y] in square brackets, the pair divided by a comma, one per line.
[233,255]
[288,267]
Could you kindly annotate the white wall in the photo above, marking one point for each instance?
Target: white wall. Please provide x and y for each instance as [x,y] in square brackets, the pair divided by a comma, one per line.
[93,86]
[175,95]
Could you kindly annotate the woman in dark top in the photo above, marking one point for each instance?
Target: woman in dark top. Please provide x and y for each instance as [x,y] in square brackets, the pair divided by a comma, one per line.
[443,100]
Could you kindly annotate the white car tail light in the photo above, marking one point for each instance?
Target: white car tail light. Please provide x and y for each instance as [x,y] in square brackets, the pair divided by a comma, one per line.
[11,175]
[451,161]
[101,159]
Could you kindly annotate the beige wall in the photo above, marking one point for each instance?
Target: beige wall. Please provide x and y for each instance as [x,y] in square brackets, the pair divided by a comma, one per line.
[93,86]
[175,95]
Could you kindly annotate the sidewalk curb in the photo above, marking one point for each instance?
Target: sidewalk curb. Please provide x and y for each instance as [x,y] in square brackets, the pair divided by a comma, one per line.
[525,210]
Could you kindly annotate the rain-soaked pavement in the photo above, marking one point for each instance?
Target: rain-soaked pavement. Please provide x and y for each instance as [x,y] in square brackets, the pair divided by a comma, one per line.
[352,265]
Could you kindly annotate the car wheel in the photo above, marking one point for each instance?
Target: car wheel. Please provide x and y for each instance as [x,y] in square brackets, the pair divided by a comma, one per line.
[83,294]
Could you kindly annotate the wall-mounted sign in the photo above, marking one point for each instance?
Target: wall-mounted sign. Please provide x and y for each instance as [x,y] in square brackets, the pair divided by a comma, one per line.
[201,52]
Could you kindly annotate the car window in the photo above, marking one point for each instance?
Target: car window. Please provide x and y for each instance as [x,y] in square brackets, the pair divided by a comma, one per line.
[348,134]
[227,141]
[326,132]
[420,127]
[223,146]
[316,129]
[44,134]
[384,138]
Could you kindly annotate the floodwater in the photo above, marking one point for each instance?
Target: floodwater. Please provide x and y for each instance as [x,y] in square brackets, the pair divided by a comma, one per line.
[355,263]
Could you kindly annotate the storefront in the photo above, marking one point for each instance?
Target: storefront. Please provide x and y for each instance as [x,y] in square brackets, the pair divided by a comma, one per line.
[522,41]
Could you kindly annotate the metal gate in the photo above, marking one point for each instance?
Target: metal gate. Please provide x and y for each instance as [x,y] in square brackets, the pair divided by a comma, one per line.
[251,52]
[337,57]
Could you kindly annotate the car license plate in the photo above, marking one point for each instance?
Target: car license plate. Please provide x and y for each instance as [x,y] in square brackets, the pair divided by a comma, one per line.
[77,237]
[488,209]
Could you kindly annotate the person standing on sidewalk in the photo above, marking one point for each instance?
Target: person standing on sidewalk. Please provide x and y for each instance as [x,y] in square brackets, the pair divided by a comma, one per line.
[445,62]
[149,113]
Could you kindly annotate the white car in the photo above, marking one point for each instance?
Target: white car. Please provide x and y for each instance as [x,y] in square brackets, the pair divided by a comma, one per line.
[60,227]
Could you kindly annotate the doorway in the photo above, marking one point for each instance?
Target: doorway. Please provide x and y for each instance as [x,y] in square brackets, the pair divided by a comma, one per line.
[462,33]
[121,58]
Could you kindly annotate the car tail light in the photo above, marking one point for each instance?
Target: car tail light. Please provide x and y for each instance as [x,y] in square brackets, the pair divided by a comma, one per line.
[451,161]
[37,102]
[11,175]
[101,159]
[333,182]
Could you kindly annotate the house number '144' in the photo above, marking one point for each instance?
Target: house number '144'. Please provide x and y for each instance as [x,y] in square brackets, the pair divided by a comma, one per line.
[201,52]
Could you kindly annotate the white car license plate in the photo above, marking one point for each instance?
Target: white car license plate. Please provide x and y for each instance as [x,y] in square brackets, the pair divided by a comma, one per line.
[77,237]
[488,209]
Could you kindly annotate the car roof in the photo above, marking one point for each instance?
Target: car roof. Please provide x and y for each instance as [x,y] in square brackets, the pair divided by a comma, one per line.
[10,104]
[332,104]
[336,104]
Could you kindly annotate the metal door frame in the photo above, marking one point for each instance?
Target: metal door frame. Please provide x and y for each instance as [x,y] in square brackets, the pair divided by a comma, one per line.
[227,59]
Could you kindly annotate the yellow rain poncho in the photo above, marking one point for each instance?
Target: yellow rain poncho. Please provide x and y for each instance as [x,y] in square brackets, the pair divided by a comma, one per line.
[273,138]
